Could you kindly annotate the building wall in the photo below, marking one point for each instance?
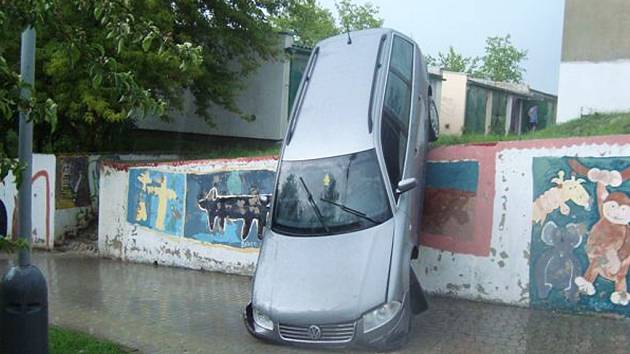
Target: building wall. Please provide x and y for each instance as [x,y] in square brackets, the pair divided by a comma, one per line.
[265,97]
[42,203]
[595,65]
[453,103]
[196,214]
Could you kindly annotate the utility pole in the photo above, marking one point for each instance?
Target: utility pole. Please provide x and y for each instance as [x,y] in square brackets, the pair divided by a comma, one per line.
[23,290]
[25,148]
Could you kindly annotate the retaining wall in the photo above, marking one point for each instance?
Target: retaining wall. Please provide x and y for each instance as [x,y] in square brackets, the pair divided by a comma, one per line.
[529,231]
[43,203]
[77,186]
[514,222]
[198,214]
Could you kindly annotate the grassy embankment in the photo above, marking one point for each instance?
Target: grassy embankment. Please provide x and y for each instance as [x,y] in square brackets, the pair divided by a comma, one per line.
[592,125]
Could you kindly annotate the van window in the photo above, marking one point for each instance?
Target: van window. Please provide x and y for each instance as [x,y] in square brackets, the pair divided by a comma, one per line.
[330,195]
[396,109]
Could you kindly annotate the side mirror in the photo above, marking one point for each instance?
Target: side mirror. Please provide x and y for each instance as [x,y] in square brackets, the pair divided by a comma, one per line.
[406,185]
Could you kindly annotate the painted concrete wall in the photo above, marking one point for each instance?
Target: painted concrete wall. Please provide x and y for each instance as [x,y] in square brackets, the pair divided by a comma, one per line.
[77,186]
[540,223]
[265,95]
[589,87]
[546,225]
[43,203]
[595,66]
[453,103]
[197,214]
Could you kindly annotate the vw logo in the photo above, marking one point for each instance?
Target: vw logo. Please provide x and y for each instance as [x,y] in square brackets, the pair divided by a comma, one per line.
[315,332]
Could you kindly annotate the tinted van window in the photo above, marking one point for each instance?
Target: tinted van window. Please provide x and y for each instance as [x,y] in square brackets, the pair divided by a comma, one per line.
[396,109]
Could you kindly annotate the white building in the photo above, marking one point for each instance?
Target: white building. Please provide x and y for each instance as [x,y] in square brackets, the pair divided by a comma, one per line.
[595,67]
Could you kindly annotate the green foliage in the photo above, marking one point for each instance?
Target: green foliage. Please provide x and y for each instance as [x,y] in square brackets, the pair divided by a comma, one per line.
[454,61]
[502,61]
[100,65]
[357,17]
[310,23]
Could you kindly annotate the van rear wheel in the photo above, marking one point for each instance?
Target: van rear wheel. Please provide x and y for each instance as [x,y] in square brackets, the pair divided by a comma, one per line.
[434,122]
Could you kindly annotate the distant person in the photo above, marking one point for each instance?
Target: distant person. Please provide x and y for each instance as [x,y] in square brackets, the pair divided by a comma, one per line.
[533,118]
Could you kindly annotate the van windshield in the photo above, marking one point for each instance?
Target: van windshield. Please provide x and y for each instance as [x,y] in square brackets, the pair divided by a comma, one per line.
[330,195]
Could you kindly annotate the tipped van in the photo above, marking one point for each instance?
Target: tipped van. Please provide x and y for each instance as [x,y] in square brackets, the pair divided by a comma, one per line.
[335,262]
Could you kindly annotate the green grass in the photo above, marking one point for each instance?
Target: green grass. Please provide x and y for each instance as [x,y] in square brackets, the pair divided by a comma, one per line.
[592,125]
[63,341]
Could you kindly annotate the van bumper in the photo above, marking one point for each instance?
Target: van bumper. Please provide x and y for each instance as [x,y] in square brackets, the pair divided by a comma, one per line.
[392,335]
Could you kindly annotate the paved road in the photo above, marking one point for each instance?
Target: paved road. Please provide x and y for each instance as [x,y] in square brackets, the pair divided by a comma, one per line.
[169,310]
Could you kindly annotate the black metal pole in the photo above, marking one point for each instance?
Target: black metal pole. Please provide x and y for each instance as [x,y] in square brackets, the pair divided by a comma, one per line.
[23,290]
[25,149]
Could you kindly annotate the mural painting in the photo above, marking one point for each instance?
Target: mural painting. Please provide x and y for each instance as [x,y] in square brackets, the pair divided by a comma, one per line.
[581,234]
[72,189]
[226,207]
[451,188]
[42,224]
[156,200]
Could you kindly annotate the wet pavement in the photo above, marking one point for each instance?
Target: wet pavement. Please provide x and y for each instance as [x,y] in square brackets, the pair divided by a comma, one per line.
[170,310]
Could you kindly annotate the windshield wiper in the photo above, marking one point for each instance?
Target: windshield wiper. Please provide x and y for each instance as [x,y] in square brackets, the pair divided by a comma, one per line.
[350,210]
[311,201]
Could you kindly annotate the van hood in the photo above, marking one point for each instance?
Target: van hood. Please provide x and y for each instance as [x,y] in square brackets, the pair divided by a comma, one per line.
[324,279]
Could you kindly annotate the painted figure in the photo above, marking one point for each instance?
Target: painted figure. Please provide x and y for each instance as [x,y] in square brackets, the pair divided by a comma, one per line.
[608,245]
[245,207]
[164,194]
[558,266]
[558,196]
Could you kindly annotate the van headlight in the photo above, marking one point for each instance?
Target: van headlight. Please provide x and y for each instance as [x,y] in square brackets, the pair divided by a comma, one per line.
[263,320]
[380,316]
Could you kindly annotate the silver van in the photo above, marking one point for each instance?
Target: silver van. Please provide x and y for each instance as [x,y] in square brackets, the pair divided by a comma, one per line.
[334,267]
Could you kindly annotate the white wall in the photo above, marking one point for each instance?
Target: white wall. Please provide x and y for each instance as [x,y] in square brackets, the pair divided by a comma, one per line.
[70,221]
[587,87]
[118,238]
[504,275]
[43,202]
[453,103]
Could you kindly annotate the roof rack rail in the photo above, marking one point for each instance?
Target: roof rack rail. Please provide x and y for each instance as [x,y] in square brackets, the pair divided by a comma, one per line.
[297,105]
[377,67]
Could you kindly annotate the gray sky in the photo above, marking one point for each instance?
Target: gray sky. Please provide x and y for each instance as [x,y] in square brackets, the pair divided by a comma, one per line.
[535,25]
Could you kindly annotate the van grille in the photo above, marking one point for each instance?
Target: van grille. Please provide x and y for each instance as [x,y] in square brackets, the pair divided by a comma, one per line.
[332,333]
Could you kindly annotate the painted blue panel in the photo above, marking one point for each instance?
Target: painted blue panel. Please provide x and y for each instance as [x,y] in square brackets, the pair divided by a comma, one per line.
[459,175]
[223,207]
[156,200]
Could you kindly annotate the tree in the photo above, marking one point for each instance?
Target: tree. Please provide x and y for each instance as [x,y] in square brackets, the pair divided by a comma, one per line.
[454,61]
[100,65]
[104,64]
[502,61]
[309,22]
[357,17]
